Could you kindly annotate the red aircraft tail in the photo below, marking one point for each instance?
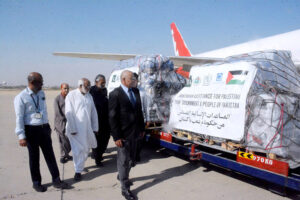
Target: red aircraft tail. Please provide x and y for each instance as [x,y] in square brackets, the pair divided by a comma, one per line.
[180,47]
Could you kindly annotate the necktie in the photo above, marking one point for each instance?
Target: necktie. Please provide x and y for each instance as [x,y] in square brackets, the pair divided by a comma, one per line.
[131,97]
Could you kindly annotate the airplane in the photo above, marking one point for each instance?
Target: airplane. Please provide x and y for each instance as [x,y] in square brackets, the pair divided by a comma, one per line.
[183,58]
[286,41]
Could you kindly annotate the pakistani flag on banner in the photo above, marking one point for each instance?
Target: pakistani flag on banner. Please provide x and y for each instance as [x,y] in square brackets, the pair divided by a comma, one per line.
[236,77]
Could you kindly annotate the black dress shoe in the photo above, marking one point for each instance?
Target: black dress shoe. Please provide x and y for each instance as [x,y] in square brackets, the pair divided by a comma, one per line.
[63,160]
[128,195]
[69,157]
[60,184]
[77,177]
[99,164]
[39,188]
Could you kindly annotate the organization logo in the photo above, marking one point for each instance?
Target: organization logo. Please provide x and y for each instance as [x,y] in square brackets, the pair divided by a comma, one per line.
[207,79]
[219,77]
[197,80]
[236,77]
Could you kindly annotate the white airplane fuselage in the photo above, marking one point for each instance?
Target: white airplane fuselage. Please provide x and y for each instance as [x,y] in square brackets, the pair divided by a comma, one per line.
[287,41]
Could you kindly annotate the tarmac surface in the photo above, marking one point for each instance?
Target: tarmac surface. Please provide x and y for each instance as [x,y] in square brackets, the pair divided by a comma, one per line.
[160,175]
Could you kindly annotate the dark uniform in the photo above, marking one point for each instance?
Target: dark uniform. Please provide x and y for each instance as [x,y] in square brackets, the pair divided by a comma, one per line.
[101,103]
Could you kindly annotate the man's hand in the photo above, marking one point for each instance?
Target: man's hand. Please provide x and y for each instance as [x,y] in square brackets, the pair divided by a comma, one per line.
[73,133]
[119,143]
[23,142]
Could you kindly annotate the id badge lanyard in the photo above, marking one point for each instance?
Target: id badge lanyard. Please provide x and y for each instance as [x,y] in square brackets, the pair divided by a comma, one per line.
[36,104]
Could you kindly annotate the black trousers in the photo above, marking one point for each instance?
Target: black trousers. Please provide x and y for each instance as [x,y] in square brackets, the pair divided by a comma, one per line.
[102,142]
[40,137]
[139,146]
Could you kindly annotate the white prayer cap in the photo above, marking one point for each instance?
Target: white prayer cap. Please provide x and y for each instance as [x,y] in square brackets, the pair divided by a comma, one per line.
[80,82]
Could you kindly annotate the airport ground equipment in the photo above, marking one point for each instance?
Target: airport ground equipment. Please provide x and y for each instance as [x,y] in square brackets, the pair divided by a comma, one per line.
[275,172]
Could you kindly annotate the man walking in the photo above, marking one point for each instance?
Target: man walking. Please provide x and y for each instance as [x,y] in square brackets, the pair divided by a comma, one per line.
[34,131]
[82,124]
[60,121]
[127,124]
[99,94]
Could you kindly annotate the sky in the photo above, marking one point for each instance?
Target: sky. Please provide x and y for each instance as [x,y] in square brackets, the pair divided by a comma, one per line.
[30,31]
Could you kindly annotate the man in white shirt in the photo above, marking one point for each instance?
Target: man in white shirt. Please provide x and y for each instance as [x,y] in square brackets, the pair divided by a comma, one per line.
[82,124]
[34,131]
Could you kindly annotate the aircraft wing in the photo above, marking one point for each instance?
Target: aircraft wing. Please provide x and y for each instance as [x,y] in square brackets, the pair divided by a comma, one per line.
[100,56]
[177,60]
[183,60]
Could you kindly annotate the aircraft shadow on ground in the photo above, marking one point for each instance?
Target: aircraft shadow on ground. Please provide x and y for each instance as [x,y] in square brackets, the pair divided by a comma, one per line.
[165,175]
[149,153]
[207,167]
[248,179]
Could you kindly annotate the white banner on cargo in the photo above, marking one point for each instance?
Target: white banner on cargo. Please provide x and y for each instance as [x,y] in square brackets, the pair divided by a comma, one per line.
[214,103]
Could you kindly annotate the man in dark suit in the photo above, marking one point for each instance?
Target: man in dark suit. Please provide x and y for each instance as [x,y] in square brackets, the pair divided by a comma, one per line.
[127,125]
[99,94]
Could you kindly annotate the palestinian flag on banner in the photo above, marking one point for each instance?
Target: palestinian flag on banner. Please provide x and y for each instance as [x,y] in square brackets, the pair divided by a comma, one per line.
[236,77]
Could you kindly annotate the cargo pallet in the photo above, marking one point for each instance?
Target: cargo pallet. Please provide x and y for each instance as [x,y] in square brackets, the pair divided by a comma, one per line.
[275,172]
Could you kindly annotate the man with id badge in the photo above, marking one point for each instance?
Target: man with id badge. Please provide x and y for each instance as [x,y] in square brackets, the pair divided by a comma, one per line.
[33,131]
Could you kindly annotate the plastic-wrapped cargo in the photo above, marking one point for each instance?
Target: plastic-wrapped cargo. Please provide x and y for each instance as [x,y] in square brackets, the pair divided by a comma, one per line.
[273,118]
[158,82]
[252,99]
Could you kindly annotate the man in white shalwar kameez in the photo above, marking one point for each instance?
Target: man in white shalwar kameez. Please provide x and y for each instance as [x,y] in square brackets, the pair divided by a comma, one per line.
[82,123]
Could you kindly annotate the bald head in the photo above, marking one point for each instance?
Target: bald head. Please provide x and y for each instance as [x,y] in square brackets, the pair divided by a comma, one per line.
[84,85]
[64,89]
[64,85]
[34,76]
[35,81]
[127,78]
